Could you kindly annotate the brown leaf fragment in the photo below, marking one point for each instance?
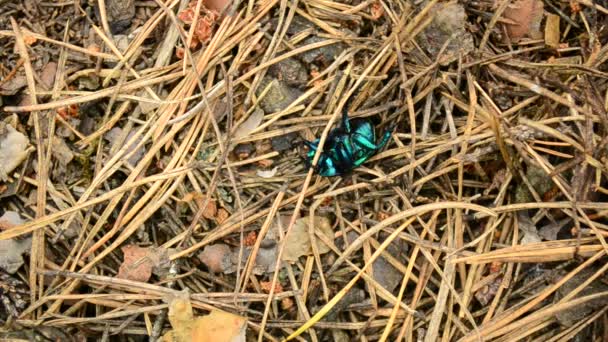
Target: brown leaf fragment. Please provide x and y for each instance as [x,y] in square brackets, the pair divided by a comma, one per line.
[210,209]
[216,257]
[527,16]
[138,262]
[487,292]
[47,75]
[298,242]
[267,285]
[12,85]
[217,5]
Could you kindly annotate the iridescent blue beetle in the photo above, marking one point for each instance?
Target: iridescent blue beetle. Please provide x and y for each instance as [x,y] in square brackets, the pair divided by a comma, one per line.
[346,147]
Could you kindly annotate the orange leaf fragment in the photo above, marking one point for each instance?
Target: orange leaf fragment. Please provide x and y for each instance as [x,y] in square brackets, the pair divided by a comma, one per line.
[217,326]
[250,239]
[267,285]
[203,29]
[265,163]
[187,15]
[94,48]
[377,10]
[222,215]
[179,52]
[210,209]
[495,266]
[137,263]
[286,303]
[29,40]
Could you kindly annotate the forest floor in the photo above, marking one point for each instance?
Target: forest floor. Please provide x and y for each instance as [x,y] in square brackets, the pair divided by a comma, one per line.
[154,178]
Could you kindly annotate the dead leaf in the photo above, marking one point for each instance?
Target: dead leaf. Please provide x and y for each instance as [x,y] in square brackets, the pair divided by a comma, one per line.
[265,163]
[47,75]
[552,34]
[265,259]
[576,314]
[386,274]
[217,5]
[216,257]
[94,48]
[252,122]
[550,231]
[204,24]
[221,216]
[29,40]
[286,303]
[250,239]
[528,229]
[220,326]
[267,173]
[13,85]
[377,10]
[138,262]
[527,14]
[298,241]
[486,293]
[13,150]
[267,285]
[180,52]
[10,219]
[204,27]
[446,37]
[61,151]
[210,209]
[113,136]
[187,15]
[217,326]
[11,253]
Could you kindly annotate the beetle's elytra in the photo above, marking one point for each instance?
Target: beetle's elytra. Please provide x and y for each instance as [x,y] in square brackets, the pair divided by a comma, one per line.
[346,147]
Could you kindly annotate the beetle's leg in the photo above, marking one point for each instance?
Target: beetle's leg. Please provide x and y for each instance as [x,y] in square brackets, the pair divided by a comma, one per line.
[362,141]
[345,120]
[311,145]
[327,167]
[365,142]
[322,160]
[385,137]
[345,153]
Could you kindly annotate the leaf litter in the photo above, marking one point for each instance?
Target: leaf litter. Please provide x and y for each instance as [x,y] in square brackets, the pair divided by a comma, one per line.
[217,326]
[487,206]
[13,149]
